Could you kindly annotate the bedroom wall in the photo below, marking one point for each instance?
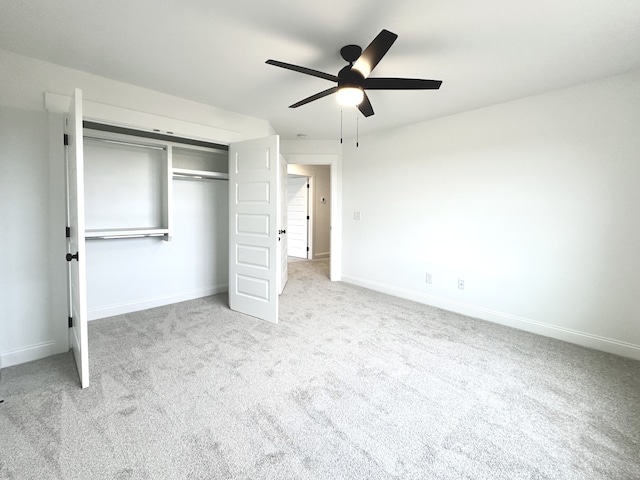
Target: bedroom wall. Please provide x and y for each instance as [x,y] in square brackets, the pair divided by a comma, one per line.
[533,203]
[33,273]
[27,262]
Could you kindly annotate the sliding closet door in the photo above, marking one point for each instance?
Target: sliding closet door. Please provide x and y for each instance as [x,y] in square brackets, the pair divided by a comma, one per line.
[76,256]
[254,166]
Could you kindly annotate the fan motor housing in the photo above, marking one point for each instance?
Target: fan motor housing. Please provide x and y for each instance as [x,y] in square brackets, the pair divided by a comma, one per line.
[347,77]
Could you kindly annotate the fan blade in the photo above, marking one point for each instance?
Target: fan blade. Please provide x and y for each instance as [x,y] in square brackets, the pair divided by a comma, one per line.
[314,97]
[374,52]
[308,71]
[400,84]
[365,106]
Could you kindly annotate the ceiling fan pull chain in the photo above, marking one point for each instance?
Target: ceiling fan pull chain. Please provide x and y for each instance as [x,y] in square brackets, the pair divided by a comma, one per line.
[340,125]
[357,131]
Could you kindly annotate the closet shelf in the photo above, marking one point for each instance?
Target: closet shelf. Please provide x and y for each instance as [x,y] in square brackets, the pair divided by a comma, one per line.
[126,233]
[189,173]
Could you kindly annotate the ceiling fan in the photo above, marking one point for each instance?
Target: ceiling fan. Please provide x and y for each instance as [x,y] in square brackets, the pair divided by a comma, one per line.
[353,80]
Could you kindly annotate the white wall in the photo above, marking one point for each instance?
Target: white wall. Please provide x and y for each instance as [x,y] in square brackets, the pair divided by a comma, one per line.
[30,305]
[24,81]
[533,203]
[33,271]
[126,275]
[320,211]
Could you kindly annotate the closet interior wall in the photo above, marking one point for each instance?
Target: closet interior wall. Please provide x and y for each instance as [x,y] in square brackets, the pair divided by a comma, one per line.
[157,222]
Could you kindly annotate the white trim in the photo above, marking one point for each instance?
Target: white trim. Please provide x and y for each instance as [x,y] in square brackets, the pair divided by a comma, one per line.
[124,117]
[318,256]
[29,353]
[311,212]
[143,304]
[584,339]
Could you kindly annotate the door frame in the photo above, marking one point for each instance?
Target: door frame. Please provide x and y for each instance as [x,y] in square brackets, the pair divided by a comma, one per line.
[333,161]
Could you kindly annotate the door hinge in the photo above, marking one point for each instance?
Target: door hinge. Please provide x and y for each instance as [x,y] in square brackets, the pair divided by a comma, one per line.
[66,139]
[67,232]
[70,322]
[307,217]
[307,185]
[307,249]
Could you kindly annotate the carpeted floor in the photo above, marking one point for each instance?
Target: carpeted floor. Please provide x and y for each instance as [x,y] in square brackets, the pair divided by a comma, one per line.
[351,384]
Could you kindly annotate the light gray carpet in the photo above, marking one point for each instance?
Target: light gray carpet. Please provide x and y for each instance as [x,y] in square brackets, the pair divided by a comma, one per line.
[351,384]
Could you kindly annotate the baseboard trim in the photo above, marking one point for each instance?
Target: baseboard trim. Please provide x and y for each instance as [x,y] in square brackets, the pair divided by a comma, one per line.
[318,256]
[28,354]
[584,339]
[143,304]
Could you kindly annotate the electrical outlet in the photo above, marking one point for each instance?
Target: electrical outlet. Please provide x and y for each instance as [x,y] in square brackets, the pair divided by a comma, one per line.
[429,278]
[461,284]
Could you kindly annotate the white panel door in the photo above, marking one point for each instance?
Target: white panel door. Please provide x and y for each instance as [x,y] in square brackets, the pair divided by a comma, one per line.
[76,255]
[253,227]
[297,213]
[282,226]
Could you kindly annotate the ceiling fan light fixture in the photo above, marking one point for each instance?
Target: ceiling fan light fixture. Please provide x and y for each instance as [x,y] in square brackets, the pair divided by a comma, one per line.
[353,79]
[349,96]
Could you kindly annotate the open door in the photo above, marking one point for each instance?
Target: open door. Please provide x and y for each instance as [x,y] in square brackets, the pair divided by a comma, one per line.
[283,237]
[76,253]
[298,216]
[254,167]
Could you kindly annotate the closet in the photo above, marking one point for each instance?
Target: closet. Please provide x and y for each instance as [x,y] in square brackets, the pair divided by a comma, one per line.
[156,219]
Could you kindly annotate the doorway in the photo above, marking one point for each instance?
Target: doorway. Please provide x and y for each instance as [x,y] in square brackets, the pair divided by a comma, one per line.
[332,161]
[311,187]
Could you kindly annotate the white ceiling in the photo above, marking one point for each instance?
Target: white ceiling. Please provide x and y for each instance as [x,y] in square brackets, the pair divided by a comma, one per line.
[213,51]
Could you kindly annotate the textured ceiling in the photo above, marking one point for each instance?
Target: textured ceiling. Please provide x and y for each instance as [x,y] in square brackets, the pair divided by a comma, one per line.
[213,52]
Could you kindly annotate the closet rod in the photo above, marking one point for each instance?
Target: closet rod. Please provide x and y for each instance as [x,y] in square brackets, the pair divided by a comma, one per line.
[197,177]
[120,142]
[115,237]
